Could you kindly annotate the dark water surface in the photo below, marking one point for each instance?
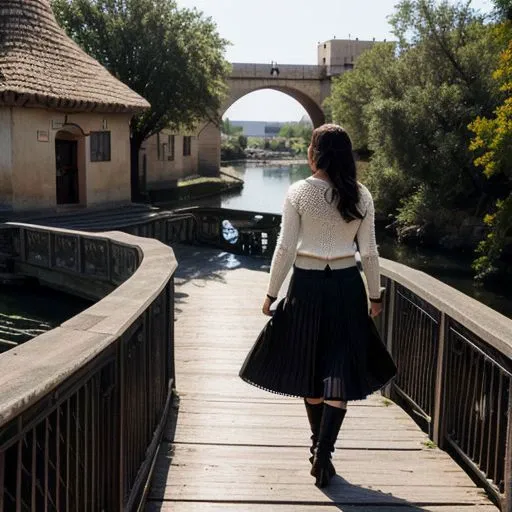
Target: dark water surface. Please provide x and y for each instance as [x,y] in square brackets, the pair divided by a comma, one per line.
[264,191]
[29,310]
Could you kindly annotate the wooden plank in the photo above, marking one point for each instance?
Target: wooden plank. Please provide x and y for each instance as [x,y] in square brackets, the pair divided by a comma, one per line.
[184,506]
[239,448]
[271,437]
[337,493]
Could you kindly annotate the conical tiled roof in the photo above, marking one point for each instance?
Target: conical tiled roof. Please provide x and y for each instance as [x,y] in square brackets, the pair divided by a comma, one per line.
[41,66]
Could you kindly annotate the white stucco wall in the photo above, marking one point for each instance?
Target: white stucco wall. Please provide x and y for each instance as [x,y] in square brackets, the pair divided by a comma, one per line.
[33,166]
[162,173]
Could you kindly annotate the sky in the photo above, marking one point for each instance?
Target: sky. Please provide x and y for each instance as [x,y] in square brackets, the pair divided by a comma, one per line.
[288,31]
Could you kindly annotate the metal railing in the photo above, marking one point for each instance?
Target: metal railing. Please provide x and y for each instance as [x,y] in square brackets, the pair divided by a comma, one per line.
[286,71]
[83,406]
[235,231]
[454,359]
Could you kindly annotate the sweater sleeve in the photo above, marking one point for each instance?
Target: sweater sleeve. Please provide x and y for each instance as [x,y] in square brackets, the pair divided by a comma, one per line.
[286,248]
[368,249]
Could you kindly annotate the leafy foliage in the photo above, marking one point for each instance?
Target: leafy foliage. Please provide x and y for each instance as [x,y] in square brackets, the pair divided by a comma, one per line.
[410,104]
[231,149]
[493,144]
[296,130]
[297,137]
[228,129]
[504,9]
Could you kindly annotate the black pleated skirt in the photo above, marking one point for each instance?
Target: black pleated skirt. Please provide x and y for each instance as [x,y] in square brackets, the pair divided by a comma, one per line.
[321,342]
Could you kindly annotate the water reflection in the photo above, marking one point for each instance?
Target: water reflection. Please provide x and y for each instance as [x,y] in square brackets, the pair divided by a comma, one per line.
[229,232]
[29,310]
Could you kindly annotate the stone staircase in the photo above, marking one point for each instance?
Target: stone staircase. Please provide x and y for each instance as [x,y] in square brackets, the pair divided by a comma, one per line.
[95,219]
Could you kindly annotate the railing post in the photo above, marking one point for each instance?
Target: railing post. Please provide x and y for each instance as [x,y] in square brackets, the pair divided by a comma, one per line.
[121,359]
[507,505]
[437,418]
[389,311]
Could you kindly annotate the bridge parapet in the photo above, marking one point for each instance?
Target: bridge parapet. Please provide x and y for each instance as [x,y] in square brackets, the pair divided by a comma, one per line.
[286,71]
[83,406]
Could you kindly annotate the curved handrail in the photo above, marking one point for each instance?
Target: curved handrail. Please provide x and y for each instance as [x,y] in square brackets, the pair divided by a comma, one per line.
[85,376]
[486,323]
[454,358]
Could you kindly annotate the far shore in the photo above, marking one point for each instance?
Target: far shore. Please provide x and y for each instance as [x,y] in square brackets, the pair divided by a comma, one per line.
[268,161]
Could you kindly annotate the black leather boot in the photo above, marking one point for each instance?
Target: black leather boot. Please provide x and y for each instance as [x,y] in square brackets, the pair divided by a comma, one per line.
[323,470]
[314,412]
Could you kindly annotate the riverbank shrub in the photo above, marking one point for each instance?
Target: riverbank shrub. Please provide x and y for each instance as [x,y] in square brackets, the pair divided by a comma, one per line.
[492,144]
[232,148]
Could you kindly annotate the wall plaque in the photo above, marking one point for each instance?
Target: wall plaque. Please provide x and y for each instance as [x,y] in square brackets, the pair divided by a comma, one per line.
[57,125]
[43,135]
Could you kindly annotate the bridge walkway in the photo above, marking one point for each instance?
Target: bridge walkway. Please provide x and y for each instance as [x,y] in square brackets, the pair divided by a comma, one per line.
[236,448]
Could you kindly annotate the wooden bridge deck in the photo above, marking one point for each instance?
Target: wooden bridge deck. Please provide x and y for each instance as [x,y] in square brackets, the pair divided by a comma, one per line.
[237,448]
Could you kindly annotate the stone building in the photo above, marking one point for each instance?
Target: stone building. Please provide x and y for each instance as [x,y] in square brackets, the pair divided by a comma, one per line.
[64,119]
[166,157]
[339,55]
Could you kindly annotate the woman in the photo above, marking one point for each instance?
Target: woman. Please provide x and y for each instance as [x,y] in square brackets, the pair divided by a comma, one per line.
[321,343]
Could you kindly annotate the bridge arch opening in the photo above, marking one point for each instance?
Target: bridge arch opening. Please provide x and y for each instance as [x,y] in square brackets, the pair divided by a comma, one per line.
[310,106]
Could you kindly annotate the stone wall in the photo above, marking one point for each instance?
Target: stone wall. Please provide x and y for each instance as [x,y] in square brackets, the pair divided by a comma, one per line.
[90,267]
[164,167]
[286,71]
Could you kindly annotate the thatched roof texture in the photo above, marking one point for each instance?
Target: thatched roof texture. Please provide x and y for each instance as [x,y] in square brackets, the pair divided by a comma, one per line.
[41,66]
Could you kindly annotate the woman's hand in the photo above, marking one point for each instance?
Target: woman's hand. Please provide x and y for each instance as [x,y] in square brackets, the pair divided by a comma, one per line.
[266,306]
[375,309]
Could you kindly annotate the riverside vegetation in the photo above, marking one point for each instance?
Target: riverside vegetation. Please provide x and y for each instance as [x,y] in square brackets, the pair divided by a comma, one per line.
[434,109]
[292,141]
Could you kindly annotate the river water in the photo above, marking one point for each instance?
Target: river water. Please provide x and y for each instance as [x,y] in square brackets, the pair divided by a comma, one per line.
[29,310]
[264,191]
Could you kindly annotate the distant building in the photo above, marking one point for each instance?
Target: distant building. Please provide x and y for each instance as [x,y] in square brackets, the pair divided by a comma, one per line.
[340,55]
[167,156]
[265,129]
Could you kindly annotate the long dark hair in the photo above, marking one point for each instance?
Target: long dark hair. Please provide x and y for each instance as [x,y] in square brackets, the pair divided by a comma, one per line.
[332,153]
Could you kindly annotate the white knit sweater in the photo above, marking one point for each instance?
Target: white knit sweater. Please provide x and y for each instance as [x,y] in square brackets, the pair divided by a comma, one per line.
[312,229]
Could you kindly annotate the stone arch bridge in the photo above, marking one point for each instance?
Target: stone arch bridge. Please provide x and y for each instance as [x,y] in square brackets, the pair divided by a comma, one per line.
[310,85]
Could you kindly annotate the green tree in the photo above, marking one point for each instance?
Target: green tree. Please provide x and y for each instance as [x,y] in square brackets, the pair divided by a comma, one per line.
[504,9]
[410,103]
[228,129]
[172,57]
[373,76]
[296,130]
[297,135]
[242,141]
[493,144]
[287,131]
